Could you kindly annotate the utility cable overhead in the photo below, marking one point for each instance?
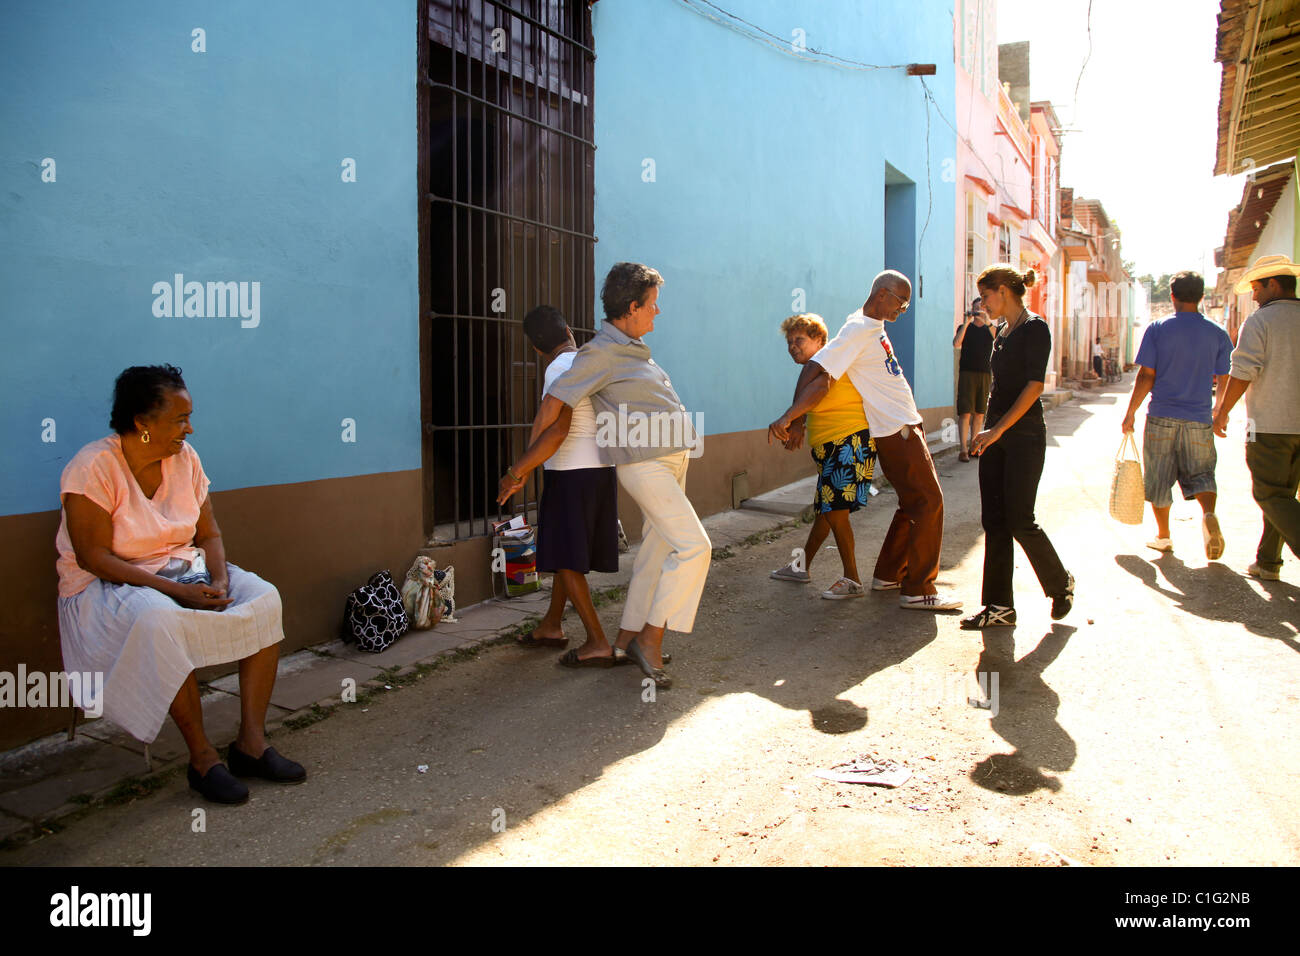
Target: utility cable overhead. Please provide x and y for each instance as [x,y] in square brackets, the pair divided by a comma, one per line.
[1074,109]
[739,24]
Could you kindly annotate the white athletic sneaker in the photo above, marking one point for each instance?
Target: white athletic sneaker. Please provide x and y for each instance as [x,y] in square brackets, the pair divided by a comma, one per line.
[1165,545]
[1264,574]
[1213,537]
[929,602]
[879,585]
[843,588]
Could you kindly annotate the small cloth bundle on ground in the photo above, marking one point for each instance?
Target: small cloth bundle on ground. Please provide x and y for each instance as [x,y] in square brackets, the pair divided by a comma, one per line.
[1126,490]
[428,595]
[374,616]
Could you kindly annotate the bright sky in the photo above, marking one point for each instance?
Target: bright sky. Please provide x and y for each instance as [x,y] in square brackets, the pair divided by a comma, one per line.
[1146,119]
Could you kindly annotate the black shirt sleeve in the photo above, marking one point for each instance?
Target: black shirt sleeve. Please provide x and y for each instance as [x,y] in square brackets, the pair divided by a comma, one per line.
[1038,349]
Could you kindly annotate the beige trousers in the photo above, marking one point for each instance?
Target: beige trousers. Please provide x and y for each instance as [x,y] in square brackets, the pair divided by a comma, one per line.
[668,576]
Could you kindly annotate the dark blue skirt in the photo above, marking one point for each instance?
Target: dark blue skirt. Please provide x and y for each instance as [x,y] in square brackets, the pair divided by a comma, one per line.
[577,521]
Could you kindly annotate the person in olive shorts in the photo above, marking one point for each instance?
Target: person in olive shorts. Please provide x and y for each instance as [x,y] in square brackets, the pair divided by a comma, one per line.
[974,375]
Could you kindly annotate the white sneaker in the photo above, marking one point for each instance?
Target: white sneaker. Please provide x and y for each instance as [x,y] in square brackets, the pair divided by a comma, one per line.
[929,602]
[1213,537]
[1164,545]
[788,573]
[1264,574]
[879,585]
[843,588]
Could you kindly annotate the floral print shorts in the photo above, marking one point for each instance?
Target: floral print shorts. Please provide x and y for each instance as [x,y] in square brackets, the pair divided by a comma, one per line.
[846,469]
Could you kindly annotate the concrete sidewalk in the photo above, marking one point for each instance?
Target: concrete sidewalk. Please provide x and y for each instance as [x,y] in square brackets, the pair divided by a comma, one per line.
[53,779]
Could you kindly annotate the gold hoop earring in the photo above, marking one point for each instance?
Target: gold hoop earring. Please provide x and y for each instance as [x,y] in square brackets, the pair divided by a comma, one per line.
[145,436]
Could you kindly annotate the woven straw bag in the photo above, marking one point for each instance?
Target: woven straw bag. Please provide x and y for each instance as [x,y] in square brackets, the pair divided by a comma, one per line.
[1126,489]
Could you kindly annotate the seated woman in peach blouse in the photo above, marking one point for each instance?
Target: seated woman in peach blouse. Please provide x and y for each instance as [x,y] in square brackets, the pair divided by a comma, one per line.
[146,595]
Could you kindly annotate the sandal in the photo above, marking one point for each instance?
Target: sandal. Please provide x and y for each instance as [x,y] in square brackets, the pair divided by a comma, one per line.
[570,658]
[528,640]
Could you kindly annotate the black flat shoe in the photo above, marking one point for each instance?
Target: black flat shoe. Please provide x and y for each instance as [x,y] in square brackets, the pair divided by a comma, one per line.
[1063,602]
[656,674]
[270,766]
[218,785]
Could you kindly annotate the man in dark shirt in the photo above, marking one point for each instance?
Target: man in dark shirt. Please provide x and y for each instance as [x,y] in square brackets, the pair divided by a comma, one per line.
[974,376]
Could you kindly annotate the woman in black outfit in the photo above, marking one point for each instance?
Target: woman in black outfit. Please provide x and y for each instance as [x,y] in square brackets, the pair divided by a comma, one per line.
[1011,450]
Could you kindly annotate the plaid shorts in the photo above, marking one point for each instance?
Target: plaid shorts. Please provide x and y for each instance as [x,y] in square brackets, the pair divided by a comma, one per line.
[1174,448]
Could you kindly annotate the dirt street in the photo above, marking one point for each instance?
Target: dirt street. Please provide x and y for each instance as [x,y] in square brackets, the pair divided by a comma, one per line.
[1153,726]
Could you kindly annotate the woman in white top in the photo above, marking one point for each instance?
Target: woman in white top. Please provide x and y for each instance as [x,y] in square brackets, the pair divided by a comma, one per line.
[577,520]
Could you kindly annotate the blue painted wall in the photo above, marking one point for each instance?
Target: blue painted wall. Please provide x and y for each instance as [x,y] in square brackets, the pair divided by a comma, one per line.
[223,165]
[770,176]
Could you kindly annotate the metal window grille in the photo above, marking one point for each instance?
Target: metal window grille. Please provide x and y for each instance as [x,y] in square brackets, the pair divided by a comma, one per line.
[506,224]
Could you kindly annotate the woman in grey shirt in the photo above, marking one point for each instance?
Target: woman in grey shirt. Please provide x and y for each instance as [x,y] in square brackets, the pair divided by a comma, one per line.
[643,429]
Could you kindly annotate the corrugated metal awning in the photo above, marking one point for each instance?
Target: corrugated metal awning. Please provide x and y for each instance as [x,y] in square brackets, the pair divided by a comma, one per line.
[1258,43]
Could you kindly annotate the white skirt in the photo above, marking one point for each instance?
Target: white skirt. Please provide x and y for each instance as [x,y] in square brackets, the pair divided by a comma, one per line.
[145,644]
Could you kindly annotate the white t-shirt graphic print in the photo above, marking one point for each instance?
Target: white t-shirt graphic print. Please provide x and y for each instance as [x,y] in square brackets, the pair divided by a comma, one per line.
[862,350]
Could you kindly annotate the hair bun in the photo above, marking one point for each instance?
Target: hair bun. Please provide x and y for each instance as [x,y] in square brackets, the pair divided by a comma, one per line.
[1029,278]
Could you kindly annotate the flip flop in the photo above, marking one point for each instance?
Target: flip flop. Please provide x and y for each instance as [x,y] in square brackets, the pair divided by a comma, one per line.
[571,659]
[529,641]
[621,658]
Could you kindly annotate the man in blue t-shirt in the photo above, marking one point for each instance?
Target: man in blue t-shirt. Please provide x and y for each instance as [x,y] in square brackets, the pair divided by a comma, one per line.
[1181,356]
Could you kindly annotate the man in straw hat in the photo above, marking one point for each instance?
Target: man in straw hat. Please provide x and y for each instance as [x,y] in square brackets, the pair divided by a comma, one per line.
[1267,362]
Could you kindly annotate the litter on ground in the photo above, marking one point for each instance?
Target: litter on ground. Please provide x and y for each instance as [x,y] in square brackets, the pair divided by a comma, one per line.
[867,768]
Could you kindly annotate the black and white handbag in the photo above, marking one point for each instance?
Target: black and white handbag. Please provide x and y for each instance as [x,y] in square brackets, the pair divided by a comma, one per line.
[374,616]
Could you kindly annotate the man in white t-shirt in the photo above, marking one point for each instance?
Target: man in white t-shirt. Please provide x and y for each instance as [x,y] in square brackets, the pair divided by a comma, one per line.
[577,519]
[909,556]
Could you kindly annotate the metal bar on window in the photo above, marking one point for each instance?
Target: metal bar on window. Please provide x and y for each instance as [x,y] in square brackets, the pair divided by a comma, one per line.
[518,205]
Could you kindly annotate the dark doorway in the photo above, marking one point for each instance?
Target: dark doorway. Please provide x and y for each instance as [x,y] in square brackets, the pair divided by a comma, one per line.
[900,254]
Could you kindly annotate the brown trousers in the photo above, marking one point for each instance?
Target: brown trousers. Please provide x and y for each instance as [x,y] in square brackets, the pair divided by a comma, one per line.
[910,552]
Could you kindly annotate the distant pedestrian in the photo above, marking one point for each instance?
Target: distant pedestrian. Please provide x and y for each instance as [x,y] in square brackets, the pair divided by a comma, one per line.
[1011,451]
[578,515]
[974,376]
[1182,357]
[1267,362]
[845,456]
[861,350]
[1097,357]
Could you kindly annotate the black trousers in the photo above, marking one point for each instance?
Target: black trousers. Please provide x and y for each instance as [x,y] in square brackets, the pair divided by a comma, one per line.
[1009,473]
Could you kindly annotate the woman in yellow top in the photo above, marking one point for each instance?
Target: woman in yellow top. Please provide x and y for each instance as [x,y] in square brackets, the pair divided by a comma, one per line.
[841,445]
